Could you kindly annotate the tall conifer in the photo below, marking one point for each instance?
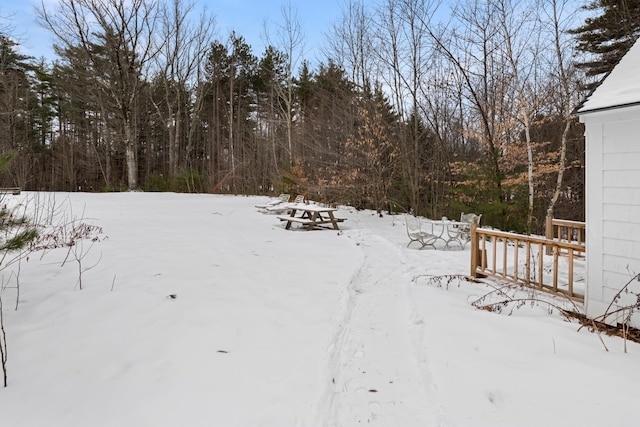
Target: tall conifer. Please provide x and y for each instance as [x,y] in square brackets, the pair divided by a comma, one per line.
[607,36]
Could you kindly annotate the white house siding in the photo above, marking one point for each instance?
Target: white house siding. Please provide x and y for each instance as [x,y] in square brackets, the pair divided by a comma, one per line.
[613,206]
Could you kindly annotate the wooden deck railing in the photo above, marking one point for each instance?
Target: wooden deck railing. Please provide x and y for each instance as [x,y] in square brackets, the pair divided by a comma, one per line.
[522,259]
[564,230]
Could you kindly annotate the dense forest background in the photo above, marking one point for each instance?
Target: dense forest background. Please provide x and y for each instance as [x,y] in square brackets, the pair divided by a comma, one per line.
[407,111]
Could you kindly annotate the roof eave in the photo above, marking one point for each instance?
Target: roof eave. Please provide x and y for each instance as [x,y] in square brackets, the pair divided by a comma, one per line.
[579,111]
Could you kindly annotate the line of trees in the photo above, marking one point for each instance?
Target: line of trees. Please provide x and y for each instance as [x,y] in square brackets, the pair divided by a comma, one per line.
[407,111]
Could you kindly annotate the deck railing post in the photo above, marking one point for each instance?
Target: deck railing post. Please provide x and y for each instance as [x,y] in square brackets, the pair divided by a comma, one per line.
[548,230]
[475,250]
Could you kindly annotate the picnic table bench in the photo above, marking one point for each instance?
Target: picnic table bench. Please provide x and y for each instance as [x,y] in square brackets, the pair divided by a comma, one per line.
[282,208]
[283,198]
[13,190]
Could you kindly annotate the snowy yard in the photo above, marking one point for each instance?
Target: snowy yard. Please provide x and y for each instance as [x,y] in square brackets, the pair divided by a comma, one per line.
[275,327]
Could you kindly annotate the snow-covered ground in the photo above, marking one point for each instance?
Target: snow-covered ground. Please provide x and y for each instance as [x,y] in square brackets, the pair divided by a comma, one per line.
[275,327]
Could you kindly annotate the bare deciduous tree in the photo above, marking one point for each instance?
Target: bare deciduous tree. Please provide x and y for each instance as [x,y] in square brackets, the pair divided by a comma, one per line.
[117,37]
[522,49]
[556,16]
[290,41]
[410,59]
[179,66]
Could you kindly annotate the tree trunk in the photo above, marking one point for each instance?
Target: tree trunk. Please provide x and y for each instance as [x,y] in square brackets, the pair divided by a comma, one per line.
[130,157]
[566,91]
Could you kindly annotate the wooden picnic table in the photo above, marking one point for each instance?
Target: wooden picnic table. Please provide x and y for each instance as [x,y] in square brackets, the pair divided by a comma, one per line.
[311,216]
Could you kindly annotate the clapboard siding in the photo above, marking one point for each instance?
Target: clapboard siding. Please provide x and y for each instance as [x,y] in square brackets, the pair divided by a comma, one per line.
[621,212]
[619,135]
[613,206]
[618,230]
[613,195]
[624,161]
[611,115]
[616,247]
[626,266]
[620,178]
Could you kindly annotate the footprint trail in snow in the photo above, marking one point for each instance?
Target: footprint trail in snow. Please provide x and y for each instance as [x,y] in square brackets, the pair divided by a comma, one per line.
[377,373]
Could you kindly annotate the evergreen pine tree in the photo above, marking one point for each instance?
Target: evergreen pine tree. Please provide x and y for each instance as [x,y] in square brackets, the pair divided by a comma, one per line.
[608,36]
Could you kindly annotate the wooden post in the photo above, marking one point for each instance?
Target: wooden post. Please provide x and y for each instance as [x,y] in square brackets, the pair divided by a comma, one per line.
[548,231]
[555,268]
[475,250]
